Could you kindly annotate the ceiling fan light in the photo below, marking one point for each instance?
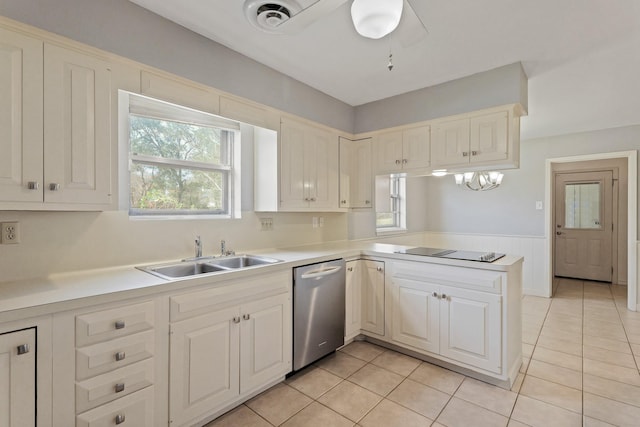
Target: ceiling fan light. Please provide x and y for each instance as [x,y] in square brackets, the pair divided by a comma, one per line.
[375,19]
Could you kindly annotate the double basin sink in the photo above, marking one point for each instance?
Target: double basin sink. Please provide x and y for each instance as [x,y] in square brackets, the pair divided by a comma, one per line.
[199,266]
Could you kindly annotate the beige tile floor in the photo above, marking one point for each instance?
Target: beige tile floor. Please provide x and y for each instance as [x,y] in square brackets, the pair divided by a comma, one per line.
[581,351]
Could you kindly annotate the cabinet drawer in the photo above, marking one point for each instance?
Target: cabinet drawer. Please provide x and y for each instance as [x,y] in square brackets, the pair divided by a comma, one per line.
[135,410]
[108,324]
[113,385]
[460,277]
[202,302]
[100,358]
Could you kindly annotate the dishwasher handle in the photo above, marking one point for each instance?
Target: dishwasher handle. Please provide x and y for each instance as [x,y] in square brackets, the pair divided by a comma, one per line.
[321,272]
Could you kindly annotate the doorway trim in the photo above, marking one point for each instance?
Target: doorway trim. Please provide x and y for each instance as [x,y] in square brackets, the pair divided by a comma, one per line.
[632,218]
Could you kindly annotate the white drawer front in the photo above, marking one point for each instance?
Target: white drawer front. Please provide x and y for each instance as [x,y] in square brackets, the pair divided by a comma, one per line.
[100,358]
[117,322]
[461,277]
[113,385]
[135,410]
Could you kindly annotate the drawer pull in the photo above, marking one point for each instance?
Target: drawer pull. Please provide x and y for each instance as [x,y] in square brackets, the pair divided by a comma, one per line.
[33,185]
[120,324]
[120,356]
[119,387]
[23,349]
[246,316]
[119,419]
[236,319]
[379,268]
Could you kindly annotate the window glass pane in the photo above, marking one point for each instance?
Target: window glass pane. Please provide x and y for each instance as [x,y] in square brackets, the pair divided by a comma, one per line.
[177,140]
[582,205]
[171,188]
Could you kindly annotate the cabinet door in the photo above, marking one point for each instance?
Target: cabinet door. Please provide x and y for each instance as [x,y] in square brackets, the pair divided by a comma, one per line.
[373,296]
[415,314]
[77,122]
[470,327]
[322,168]
[489,137]
[416,148]
[451,143]
[265,341]
[387,148]
[292,166]
[20,117]
[204,364]
[347,160]
[18,379]
[362,178]
[353,299]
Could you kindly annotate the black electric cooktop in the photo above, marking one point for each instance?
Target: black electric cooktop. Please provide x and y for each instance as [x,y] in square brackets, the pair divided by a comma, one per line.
[453,254]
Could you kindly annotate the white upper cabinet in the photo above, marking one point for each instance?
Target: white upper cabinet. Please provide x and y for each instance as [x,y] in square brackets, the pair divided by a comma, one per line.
[20,117]
[478,141]
[356,179]
[309,168]
[77,128]
[402,150]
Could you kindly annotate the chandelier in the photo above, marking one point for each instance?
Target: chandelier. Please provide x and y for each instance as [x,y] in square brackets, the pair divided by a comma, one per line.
[479,181]
[375,19]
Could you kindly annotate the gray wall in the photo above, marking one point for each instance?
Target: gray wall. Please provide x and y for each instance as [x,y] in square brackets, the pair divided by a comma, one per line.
[510,209]
[123,28]
[503,85]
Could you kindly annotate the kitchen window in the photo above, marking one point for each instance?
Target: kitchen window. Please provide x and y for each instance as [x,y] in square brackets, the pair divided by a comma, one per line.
[181,161]
[391,197]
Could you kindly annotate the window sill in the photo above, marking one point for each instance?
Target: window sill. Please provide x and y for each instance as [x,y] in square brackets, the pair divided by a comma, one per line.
[390,231]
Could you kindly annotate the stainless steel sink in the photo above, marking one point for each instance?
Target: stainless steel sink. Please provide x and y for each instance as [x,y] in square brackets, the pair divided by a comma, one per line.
[189,268]
[243,261]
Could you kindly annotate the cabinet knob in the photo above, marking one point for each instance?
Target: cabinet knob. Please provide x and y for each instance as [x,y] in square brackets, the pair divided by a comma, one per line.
[33,185]
[306,199]
[119,419]
[23,349]
[349,268]
[246,316]
[474,153]
[465,153]
[119,387]
[236,319]
[397,162]
[405,161]
[54,187]
[435,295]
[444,296]
[367,202]
[120,356]
[379,268]
[313,199]
[119,324]
[344,202]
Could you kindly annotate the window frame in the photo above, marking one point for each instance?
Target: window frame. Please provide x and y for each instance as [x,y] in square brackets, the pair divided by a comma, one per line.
[398,196]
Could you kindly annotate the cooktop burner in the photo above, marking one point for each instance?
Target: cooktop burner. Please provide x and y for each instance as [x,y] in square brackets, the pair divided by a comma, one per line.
[453,254]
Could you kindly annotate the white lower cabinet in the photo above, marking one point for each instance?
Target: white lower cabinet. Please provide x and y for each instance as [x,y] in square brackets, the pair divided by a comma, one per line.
[459,324]
[353,299]
[18,378]
[373,296]
[241,345]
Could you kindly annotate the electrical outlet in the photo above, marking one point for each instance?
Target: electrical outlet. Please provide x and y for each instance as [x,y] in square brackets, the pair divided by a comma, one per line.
[314,222]
[10,233]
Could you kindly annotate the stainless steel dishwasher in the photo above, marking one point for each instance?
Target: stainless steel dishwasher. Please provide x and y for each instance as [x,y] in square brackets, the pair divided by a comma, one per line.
[318,311]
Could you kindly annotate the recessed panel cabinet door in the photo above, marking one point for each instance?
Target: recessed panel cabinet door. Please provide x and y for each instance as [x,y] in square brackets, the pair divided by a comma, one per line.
[293,191]
[489,137]
[204,369]
[20,117]
[76,127]
[18,379]
[373,296]
[416,311]
[322,169]
[265,341]
[451,143]
[353,298]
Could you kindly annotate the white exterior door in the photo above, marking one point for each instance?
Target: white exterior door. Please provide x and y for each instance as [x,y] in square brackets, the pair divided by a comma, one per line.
[451,145]
[204,364]
[265,341]
[416,148]
[373,296]
[584,225]
[353,299]
[416,319]
[77,142]
[18,379]
[20,118]
[489,137]
[470,327]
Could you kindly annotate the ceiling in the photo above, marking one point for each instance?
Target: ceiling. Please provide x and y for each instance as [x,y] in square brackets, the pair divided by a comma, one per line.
[581,56]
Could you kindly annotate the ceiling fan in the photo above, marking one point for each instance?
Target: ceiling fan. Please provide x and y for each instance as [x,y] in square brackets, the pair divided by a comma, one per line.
[372,19]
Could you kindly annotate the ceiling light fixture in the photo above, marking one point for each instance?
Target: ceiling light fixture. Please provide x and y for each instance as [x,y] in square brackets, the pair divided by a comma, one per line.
[439,172]
[375,19]
[479,181]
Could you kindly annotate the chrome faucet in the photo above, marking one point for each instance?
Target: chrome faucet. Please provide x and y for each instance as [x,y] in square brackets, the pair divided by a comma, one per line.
[223,249]
[198,247]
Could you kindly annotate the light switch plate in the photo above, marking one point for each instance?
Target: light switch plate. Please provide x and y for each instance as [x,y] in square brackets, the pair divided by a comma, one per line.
[539,205]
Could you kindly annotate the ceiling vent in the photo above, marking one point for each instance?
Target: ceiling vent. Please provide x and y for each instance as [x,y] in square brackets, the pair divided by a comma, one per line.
[268,15]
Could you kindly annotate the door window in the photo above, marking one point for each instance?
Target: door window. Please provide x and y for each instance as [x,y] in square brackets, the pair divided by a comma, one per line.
[582,205]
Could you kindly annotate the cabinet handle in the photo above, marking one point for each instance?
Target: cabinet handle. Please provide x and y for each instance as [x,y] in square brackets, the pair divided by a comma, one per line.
[444,296]
[54,187]
[435,295]
[236,319]
[119,387]
[344,202]
[33,185]
[379,268]
[119,419]
[120,356]
[119,324]
[405,161]
[246,316]
[474,153]
[397,162]
[465,153]
[349,268]
[367,202]
[23,349]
